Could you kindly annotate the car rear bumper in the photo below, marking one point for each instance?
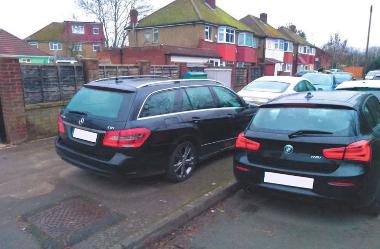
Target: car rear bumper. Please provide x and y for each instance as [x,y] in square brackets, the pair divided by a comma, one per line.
[118,165]
[361,193]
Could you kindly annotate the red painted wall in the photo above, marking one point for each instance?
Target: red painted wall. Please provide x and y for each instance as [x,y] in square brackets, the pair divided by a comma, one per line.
[269,69]
[306,59]
[288,58]
[246,54]
[226,51]
[88,36]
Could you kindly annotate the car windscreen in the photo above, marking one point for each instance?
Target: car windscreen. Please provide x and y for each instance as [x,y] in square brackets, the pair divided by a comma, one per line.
[319,79]
[99,103]
[339,122]
[340,77]
[267,86]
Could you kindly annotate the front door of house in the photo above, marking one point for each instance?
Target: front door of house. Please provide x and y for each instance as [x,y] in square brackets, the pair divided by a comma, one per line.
[2,127]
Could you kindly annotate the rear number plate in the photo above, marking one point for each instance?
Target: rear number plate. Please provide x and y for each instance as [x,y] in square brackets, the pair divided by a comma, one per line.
[85,135]
[289,180]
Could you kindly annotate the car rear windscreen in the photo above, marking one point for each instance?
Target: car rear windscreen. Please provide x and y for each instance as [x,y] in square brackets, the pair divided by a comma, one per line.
[103,104]
[267,86]
[340,122]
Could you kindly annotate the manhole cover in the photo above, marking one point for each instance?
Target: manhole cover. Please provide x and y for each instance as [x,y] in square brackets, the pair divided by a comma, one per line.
[69,222]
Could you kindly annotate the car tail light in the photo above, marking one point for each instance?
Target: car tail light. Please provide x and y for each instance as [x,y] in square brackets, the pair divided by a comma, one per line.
[61,125]
[358,151]
[244,143]
[241,168]
[130,138]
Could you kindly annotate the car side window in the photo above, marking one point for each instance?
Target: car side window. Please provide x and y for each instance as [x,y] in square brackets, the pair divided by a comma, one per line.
[310,86]
[372,112]
[300,87]
[159,104]
[186,105]
[226,97]
[200,98]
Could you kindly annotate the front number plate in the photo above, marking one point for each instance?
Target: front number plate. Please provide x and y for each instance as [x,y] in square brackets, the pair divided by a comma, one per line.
[85,135]
[289,180]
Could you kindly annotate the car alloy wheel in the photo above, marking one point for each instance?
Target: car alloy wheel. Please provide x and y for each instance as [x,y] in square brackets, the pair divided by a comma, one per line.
[182,162]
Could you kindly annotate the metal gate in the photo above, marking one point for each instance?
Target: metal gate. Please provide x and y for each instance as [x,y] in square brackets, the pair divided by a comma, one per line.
[257,72]
[2,127]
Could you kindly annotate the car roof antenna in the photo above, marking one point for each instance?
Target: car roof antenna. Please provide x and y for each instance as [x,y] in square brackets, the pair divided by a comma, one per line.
[309,95]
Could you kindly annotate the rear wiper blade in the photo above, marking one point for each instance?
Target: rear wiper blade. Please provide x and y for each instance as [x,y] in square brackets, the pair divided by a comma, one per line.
[79,113]
[301,133]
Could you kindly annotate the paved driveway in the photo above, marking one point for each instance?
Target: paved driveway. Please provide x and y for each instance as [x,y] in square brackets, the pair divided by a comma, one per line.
[45,202]
[262,221]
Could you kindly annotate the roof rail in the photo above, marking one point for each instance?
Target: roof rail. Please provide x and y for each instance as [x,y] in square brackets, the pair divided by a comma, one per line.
[133,77]
[166,82]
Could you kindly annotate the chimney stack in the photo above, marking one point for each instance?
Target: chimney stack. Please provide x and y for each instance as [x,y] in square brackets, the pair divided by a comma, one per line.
[293,28]
[134,14]
[211,3]
[264,17]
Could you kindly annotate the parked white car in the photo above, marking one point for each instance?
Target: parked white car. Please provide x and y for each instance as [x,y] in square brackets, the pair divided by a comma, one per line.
[372,86]
[266,88]
[373,75]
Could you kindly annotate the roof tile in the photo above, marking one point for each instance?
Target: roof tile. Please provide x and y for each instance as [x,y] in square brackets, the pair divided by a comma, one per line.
[11,45]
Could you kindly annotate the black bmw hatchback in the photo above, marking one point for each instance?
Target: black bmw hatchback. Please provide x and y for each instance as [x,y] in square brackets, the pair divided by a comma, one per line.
[140,126]
[323,144]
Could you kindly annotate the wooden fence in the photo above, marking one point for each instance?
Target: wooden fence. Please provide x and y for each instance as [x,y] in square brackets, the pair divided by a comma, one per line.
[50,83]
[171,71]
[106,71]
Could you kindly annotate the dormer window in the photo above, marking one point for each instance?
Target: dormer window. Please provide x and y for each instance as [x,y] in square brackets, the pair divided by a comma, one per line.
[226,35]
[77,29]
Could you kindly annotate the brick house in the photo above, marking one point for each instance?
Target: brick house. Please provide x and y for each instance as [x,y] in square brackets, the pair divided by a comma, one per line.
[197,25]
[11,46]
[303,52]
[69,39]
[275,49]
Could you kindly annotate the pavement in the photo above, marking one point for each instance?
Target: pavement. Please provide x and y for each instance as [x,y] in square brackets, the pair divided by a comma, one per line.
[266,221]
[47,203]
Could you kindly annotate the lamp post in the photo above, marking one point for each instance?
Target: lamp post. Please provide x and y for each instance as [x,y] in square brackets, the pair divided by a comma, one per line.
[369,32]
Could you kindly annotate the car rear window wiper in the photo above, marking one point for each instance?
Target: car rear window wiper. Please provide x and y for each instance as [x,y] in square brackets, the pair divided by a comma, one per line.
[301,133]
[79,113]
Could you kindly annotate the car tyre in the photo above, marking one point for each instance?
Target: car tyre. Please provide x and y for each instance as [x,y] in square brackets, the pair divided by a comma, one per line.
[182,162]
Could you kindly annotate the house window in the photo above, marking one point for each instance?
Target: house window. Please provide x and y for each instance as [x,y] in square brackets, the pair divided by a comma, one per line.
[55,45]
[33,44]
[287,67]
[96,47]
[282,42]
[77,29]
[226,35]
[246,39]
[77,47]
[214,62]
[155,36]
[288,47]
[95,30]
[208,33]
[147,34]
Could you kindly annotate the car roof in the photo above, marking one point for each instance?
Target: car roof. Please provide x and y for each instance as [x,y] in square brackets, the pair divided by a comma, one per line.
[348,99]
[133,83]
[285,79]
[359,83]
[324,74]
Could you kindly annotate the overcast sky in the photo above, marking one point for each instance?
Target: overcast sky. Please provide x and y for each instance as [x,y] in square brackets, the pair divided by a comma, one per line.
[318,19]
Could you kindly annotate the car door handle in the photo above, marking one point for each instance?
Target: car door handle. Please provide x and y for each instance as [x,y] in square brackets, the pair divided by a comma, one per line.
[196,119]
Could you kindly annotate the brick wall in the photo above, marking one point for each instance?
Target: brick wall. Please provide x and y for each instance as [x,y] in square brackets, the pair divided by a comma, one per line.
[12,100]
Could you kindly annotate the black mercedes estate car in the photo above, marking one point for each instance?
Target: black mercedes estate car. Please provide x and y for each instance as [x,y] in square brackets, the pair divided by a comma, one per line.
[139,126]
[320,144]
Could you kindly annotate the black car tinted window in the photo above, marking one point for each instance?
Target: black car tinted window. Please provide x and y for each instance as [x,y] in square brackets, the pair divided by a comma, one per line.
[201,98]
[186,105]
[372,112]
[226,97]
[100,103]
[341,122]
[159,103]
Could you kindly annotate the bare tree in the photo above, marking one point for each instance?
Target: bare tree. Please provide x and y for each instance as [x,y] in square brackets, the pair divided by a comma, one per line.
[115,16]
[338,49]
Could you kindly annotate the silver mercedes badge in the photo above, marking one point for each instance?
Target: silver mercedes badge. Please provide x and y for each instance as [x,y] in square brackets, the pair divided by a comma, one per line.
[288,149]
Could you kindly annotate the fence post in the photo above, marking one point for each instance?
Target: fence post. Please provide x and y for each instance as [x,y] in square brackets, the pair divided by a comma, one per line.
[91,69]
[144,67]
[12,100]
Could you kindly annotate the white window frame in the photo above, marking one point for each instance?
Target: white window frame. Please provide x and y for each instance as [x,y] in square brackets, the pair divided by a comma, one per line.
[147,35]
[290,46]
[94,47]
[208,33]
[288,68]
[223,32]
[97,32]
[55,46]
[77,29]
[77,47]
[242,40]
[214,62]
[155,35]
[34,44]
